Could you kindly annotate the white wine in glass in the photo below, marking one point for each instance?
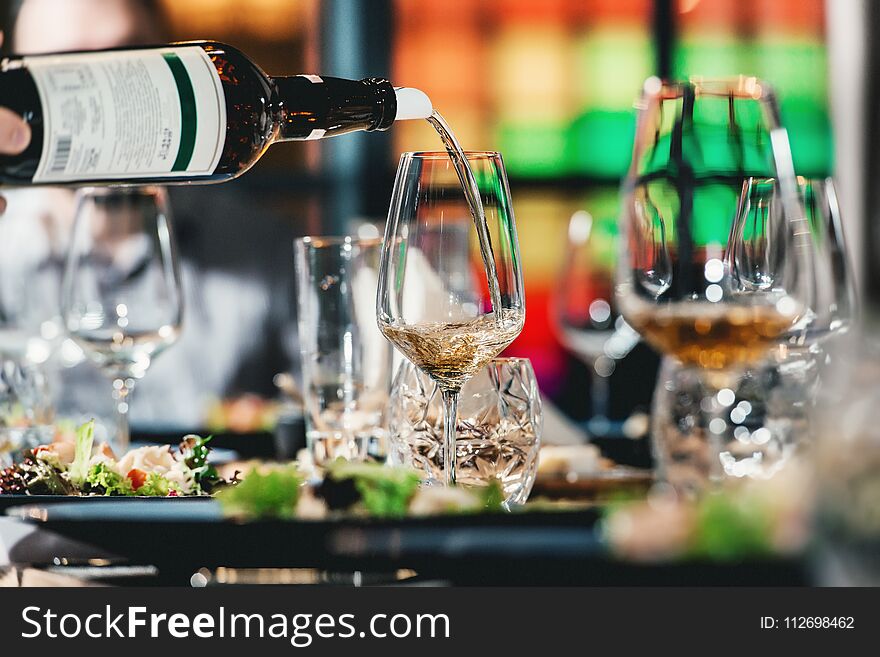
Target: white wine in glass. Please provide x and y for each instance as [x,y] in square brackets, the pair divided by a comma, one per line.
[435,300]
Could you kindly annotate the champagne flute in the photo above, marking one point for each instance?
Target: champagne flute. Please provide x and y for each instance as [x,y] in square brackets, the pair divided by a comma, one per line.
[121,295]
[434,302]
[705,279]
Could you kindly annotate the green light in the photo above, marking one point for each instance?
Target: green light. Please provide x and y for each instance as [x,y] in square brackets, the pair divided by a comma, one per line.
[533,149]
[600,143]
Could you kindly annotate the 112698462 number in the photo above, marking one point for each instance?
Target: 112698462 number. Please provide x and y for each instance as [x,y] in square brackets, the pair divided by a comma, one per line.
[818,622]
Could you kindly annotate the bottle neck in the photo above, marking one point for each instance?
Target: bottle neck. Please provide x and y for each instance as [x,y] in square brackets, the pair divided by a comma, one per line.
[313,107]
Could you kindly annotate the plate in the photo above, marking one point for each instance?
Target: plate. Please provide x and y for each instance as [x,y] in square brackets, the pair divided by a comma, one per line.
[189,534]
[618,479]
[553,548]
[8,501]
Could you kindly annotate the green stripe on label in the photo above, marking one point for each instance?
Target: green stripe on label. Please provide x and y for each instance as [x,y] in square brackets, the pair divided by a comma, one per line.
[188,120]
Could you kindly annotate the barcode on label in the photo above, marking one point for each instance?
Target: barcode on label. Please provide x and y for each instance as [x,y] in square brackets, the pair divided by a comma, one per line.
[62,154]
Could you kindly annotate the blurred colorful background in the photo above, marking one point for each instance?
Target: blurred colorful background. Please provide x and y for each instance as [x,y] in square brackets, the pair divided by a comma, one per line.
[550,84]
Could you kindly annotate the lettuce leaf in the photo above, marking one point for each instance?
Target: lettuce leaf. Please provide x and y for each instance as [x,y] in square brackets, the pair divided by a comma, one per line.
[103,479]
[43,478]
[78,471]
[492,496]
[271,494]
[156,486]
[385,491]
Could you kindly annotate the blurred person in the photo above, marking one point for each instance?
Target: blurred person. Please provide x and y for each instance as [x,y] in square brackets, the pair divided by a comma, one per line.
[236,260]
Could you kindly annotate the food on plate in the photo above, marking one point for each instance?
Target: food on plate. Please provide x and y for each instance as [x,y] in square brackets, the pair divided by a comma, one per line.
[743,519]
[358,489]
[566,460]
[270,492]
[84,468]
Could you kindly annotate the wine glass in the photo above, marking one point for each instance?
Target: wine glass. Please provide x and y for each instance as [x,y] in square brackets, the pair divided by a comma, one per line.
[834,309]
[121,299]
[585,312]
[770,411]
[703,276]
[781,393]
[434,301]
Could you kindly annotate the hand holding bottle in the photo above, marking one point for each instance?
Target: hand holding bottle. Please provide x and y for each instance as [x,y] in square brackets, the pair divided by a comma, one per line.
[186,112]
[15,135]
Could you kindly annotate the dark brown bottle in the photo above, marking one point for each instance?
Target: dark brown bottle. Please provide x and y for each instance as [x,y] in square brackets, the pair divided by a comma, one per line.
[188,112]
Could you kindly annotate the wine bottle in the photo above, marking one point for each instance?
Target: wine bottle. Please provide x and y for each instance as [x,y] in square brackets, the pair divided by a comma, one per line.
[186,112]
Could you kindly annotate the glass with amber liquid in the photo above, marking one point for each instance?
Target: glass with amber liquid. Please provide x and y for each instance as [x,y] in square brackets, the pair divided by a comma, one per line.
[712,274]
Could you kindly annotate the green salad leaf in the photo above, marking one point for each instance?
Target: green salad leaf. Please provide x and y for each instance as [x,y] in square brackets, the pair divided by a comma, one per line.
[155,486]
[270,494]
[45,479]
[728,528]
[195,450]
[78,471]
[385,491]
[492,496]
[106,481]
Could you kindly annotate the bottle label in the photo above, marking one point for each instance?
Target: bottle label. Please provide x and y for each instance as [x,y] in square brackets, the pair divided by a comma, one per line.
[156,113]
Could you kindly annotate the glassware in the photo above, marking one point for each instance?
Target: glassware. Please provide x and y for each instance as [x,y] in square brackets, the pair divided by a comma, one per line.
[26,410]
[585,311]
[834,308]
[346,361]
[785,387]
[434,302]
[498,427]
[704,276]
[121,297]
[771,405]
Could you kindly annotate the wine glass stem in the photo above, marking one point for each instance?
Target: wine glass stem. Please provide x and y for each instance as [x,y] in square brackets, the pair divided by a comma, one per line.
[121,394]
[450,413]
[718,413]
[600,393]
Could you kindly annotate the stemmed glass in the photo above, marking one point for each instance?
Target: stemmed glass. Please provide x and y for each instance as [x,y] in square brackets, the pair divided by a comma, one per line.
[703,281]
[769,410]
[433,301]
[834,309]
[121,296]
[780,395]
[584,309]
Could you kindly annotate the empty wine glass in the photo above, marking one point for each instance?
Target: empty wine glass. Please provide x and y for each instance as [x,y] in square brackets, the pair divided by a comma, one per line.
[834,308]
[782,392]
[704,278]
[585,312]
[121,296]
[434,302]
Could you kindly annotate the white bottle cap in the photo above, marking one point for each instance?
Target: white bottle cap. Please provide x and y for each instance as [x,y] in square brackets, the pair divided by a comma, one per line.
[412,104]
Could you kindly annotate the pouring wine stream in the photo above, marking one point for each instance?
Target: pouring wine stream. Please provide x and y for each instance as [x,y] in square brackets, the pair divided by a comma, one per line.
[475,204]
[415,104]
